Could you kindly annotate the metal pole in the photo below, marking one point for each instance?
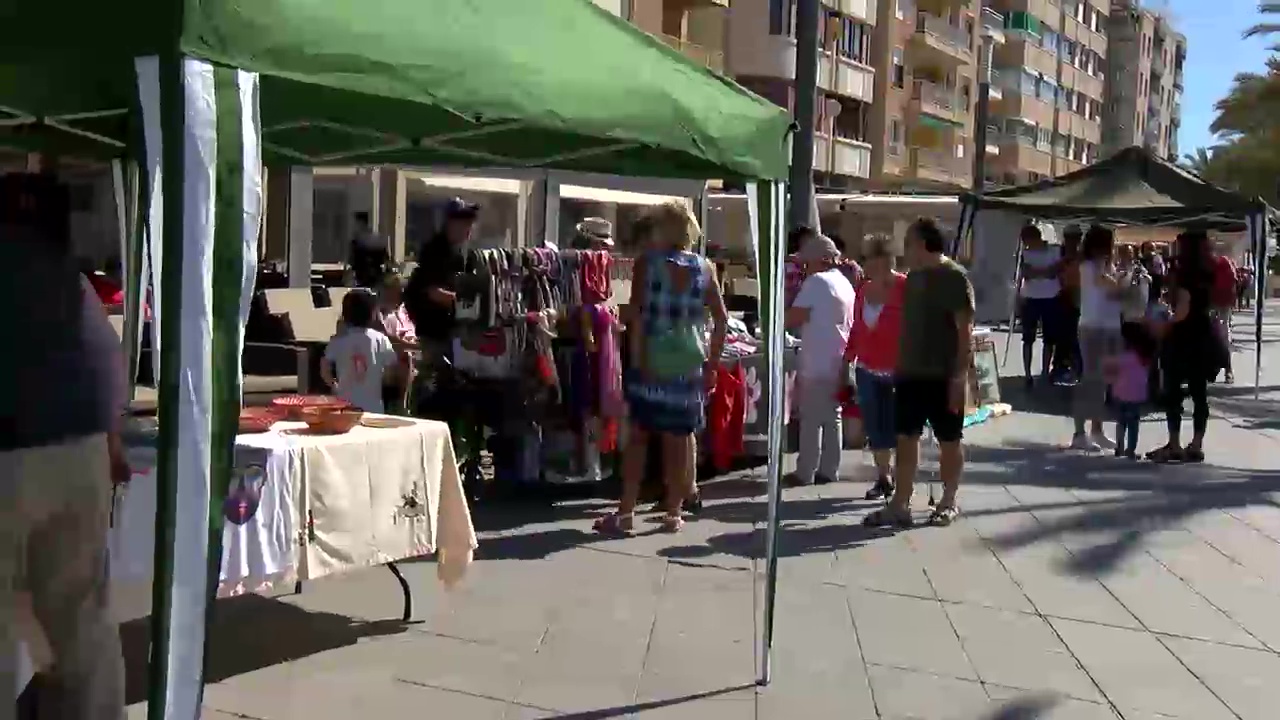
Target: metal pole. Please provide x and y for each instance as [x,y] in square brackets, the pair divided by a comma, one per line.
[982,113]
[808,20]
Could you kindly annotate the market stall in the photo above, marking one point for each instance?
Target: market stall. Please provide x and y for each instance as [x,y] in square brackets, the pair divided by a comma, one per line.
[1134,187]
[196,93]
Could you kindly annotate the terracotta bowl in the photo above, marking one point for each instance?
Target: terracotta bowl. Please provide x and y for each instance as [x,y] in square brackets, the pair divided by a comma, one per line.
[293,405]
[331,420]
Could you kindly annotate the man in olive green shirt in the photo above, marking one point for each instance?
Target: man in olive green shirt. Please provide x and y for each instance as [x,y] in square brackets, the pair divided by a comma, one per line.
[933,371]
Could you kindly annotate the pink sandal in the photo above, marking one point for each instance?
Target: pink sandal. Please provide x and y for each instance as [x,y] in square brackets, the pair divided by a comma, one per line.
[615,524]
[671,523]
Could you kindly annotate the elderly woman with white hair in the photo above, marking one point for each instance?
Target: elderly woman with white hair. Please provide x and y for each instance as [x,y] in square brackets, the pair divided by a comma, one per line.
[823,311]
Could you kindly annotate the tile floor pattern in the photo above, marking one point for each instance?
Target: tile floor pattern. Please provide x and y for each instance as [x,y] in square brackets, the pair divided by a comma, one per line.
[1074,589]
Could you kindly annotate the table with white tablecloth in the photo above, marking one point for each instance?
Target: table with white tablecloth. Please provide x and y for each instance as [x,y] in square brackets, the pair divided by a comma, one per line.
[301,506]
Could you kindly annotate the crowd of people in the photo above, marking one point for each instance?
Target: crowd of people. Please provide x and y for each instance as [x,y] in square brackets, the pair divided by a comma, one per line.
[1132,328]
[895,345]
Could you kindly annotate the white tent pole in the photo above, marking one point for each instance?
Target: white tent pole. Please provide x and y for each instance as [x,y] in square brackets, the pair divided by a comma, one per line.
[1013,309]
[770,219]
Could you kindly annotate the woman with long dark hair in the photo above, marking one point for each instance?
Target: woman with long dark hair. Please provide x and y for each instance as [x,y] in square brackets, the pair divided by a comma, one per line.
[1100,319]
[1192,352]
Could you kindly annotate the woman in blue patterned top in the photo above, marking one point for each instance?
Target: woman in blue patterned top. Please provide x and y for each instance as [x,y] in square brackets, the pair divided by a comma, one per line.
[674,290]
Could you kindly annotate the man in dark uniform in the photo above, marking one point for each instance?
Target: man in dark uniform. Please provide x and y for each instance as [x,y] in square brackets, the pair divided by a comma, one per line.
[432,289]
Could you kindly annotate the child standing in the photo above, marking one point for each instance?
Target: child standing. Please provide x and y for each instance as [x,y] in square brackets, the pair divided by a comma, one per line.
[360,357]
[1127,374]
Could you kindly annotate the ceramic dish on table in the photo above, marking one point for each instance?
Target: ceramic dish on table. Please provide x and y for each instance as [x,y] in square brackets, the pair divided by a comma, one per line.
[294,405]
[259,419]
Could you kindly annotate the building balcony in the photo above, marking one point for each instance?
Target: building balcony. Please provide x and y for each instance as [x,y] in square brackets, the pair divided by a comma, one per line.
[864,10]
[847,157]
[840,75]
[941,166]
[941,42]
[1021,154]
[713,59]
[774,56]
[992,24]
[994,135]
[939,101]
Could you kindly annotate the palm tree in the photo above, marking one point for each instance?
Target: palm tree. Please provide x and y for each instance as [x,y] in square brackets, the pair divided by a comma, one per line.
[1199,162]
[1265,28]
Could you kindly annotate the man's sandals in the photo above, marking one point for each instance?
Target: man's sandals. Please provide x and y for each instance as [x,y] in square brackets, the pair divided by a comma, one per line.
[891,517]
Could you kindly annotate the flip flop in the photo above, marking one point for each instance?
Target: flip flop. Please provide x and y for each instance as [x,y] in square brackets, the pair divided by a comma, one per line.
[943,516]
[1192,455]
[888,517]
[615,524]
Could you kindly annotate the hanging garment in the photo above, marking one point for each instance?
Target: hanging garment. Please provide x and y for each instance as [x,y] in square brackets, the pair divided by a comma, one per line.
[608,360]
[596,265]
[477,291]
[726,416]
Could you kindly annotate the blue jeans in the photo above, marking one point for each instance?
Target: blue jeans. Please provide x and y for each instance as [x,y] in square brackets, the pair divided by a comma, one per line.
[875,401]
[1128,418]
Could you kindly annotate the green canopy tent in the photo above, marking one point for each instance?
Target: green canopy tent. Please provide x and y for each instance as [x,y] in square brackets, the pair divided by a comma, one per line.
[1134,187]
[198,92]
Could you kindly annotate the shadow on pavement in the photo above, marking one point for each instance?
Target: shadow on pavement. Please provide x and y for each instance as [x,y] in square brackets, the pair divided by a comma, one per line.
[635,708]
[251,632]
[1145,502]
[1030,707]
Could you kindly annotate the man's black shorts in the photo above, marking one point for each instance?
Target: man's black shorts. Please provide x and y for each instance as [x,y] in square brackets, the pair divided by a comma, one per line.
[918,401]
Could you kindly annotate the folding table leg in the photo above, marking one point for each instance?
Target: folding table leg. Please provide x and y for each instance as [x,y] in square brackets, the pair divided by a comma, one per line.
[404,588]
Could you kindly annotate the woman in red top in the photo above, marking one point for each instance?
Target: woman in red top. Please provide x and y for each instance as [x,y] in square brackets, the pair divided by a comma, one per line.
[873,351]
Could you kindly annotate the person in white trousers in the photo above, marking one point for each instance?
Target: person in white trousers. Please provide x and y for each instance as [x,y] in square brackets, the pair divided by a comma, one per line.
[823,311]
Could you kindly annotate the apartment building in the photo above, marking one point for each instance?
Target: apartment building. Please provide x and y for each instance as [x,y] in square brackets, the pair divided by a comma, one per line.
[1144,87]
[923,127]
[760,54]
[1051,70]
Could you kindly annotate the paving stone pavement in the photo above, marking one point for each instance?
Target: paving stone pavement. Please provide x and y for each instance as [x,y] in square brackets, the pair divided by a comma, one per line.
[1073,588]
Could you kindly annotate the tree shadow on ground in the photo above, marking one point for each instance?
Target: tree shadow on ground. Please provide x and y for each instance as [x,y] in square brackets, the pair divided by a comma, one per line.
[1135,501]
[251,632]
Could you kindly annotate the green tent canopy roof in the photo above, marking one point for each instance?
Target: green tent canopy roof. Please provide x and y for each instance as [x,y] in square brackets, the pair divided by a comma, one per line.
[1133,187]
[513,83]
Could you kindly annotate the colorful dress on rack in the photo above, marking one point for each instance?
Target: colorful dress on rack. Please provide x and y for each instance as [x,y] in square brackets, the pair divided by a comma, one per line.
[665,394]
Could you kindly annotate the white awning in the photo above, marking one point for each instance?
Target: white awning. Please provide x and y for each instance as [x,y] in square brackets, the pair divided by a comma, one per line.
[505,186]
[621,197]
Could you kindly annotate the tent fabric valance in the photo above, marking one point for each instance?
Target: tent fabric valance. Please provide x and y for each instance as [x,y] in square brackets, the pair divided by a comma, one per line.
[539,83]
[1132,187]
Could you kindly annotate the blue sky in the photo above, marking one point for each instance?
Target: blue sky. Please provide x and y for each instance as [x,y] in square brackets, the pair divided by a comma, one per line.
[1215,53]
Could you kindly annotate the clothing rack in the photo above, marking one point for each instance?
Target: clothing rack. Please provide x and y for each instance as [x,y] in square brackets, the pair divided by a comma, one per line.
[521,317]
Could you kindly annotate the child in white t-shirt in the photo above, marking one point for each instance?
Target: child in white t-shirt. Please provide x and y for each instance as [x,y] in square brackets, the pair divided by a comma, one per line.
[360,357]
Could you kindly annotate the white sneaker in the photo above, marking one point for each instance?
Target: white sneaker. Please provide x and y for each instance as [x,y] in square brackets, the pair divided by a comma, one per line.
[1082,442]
[1103,442]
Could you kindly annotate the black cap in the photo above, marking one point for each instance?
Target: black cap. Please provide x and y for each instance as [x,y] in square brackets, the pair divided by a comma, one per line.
[459,209]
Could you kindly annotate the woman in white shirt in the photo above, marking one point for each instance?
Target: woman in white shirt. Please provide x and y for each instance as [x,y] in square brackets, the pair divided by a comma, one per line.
[1100,319]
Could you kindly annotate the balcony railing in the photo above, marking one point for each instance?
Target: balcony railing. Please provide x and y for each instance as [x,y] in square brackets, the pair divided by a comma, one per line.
[943,31]
[936,98]
[939,161]
[713,59]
